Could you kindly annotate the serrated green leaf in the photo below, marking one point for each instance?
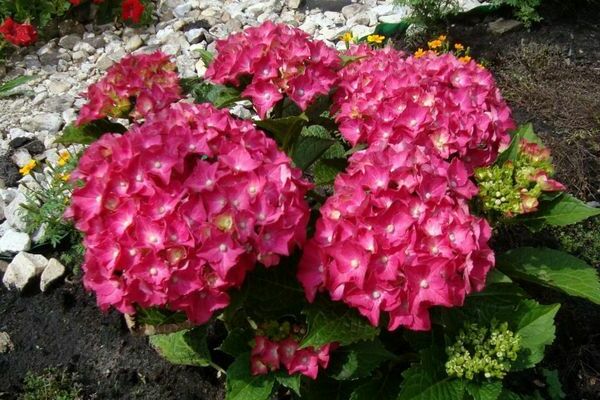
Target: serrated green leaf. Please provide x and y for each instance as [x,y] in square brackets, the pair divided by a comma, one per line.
[359,360]
[554,386]
[242,385]
[289,381]
[219,96]
[186,347]
[563,210]
[486,390]
[330,322]
[382,388]
[285,130]
[236,343]
[535,325]
[88,133]
[325,170]
[316,131]
[335,151]
[552,268]
[308,149]
[428,380]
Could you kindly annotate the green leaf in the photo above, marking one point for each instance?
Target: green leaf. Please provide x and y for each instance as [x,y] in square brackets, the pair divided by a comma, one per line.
[88,133]
[535,325]
[7,87]
[553,384]
[335,322]
[186,347]
[563,210]
[428,380]
[273,293]
[237,342]
[325,388]
[381,388]
[486,390]
[285,130]
[308,149]
[359,360]
[218,95]
[523,132]
[336,151]
[349,59]
[325,170]
[206,56]
[157,316]
[289,381]
[552,268]
[241,385]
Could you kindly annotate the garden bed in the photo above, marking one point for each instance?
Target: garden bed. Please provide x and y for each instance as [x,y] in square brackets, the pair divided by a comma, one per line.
[64,328]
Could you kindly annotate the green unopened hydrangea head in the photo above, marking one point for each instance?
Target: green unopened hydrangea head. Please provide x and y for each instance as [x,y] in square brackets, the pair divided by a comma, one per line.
[515,186]
[486,351]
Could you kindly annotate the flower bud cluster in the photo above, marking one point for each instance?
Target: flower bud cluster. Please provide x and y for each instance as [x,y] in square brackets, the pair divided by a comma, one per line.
[482,350]
[514,187]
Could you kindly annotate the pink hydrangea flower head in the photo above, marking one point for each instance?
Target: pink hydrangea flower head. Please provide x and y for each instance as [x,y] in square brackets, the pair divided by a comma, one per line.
[276,60]
[397,237]
[176,211]
[135,87]
[452,108]
[270,355]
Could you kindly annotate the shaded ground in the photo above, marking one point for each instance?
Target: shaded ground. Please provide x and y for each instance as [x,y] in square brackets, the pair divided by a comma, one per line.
[65,329]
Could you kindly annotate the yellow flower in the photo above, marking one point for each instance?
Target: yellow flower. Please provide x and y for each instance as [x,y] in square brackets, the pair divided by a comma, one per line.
[464,59]
[459,47]
[481,66]
[65,177]
[435,44]
[63,157]
[347,37]
[375,39]
[420,53]
[28,167]
[442,38]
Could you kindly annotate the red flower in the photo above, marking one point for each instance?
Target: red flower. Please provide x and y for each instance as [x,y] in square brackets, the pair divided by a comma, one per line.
[132,10]
[18,34]
[75,2]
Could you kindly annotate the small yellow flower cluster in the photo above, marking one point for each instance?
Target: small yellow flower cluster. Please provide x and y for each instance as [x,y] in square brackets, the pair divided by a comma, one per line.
[377,39]
[441,45]
[347,37]
[63,158]
[28,167]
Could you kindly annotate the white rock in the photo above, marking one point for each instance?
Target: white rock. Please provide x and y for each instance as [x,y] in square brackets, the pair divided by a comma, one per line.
[194,36]
[23,268]
[58,86]
[13,242]
[384,9]
[14,133]
[360,31]
[181,10]
[293,3]
[134,43]
[353,10]
[52,272]
[6,344]
[200,68]
[13,212]
[21,157]
[50,122]
[104,62]
[393,18]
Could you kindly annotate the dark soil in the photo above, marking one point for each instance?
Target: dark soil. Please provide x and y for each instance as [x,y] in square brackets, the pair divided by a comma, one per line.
[65,329]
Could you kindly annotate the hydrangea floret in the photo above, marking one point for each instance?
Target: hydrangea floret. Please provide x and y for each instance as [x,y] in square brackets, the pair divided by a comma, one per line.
[515,186]
[481,350]
[273,60]
[137,86]
[452,108]
[176,211]
[397,237]
[276,345]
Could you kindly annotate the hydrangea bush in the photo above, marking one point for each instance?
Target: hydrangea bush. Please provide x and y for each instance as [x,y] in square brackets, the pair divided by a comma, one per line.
[339,242]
